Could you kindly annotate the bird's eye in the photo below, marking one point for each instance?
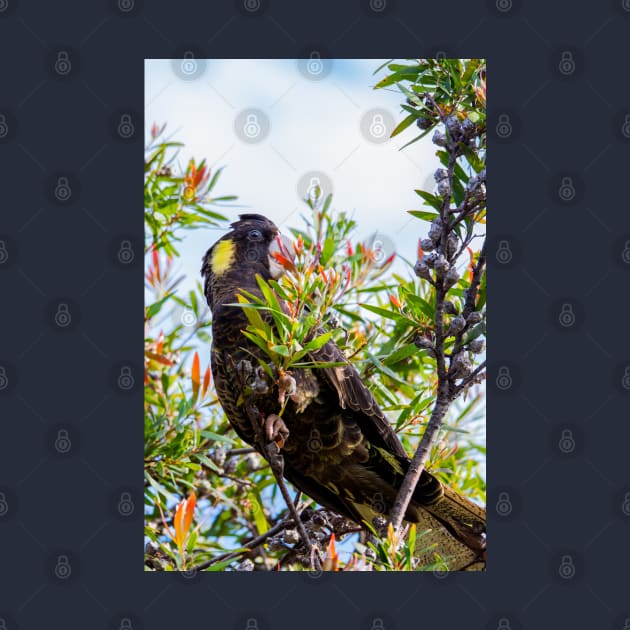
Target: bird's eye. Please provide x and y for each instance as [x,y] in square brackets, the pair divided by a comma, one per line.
[255,235]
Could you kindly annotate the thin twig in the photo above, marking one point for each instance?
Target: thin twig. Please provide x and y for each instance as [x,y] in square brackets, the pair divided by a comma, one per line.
[276,462]
[444,389]
[249,546]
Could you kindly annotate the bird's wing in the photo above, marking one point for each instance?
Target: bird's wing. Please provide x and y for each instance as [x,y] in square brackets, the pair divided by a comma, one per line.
[353,394]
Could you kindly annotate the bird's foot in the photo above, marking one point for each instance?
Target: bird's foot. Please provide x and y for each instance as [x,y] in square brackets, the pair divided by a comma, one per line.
[276,430]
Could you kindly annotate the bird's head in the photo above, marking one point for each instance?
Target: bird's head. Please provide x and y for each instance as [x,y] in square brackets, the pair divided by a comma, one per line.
[249,248]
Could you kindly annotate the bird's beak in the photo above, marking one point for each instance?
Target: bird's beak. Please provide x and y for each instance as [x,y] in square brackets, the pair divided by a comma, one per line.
[281,255]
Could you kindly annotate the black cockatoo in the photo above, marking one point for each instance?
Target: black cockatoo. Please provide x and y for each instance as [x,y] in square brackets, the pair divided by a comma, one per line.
[338,446]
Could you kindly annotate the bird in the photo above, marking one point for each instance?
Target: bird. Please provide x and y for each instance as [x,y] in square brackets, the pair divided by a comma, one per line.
[338,447]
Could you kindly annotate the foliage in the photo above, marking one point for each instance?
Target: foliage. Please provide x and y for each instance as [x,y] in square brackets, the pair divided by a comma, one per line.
[210,501]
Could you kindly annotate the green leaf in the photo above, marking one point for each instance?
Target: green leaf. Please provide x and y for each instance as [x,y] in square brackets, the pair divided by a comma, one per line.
[153,309]
[403,124]
[430,200]
[423,214]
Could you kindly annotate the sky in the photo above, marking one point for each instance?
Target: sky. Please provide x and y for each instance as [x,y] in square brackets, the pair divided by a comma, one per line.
[331,125]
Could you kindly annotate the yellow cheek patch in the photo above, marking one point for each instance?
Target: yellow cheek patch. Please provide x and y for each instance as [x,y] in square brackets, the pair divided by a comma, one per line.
[222,256]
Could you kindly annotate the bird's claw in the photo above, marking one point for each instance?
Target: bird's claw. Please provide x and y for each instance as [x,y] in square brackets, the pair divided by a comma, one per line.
[276,430]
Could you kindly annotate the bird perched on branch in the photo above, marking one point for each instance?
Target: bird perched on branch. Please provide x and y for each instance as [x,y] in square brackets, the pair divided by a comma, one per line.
[338,447]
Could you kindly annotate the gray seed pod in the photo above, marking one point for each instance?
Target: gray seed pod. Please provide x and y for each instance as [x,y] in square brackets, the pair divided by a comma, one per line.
[219,454]
[477,345]
[441,266]
[462,365]
[450,308]
[429,259]
[457,325]
[435,231]
[474,318]
[451,278]
[427,245]
[452,244]
[440,174]
[444,188]
[230,466]
[252,462]
[424,344]
[291,536]
[422,271]
[246,565]
[469,129]
[439,138]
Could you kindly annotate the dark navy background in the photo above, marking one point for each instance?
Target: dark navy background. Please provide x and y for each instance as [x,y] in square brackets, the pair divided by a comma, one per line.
[71,340]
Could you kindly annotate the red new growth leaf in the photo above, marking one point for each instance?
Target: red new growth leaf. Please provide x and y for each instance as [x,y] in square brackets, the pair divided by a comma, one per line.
[183,520]
[331,561]
[206,382]
[420,251]
[394,300]
[195,376]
